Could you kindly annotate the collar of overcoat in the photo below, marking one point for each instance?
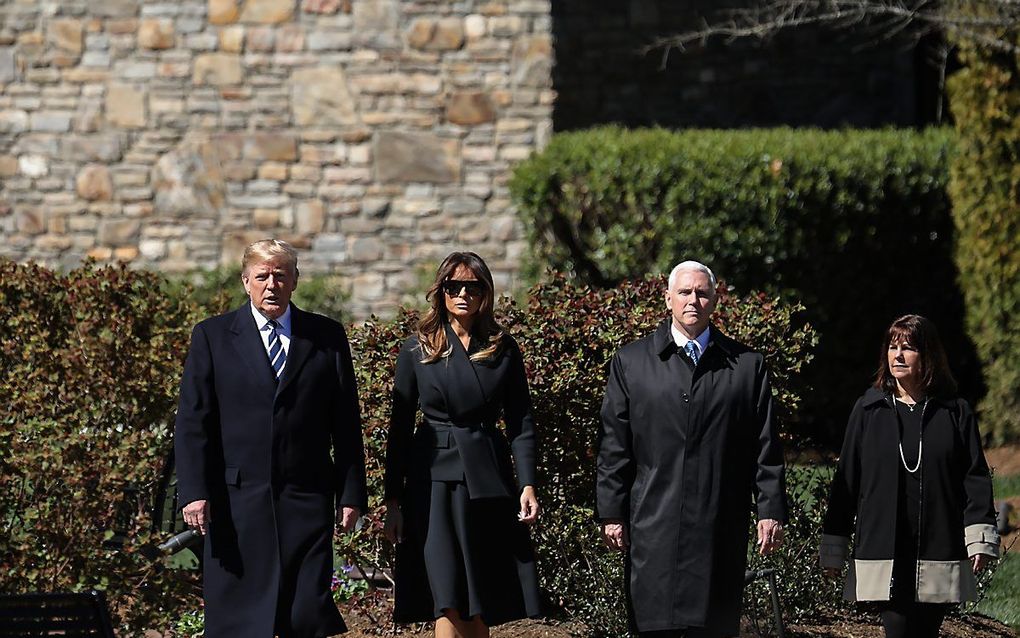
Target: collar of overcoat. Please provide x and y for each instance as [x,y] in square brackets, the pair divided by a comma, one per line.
[666,346]
[248,342]
[873,396]
[463,387]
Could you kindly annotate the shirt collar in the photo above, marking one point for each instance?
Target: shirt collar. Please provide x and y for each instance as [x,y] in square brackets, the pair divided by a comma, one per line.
[261,320]
[681,340]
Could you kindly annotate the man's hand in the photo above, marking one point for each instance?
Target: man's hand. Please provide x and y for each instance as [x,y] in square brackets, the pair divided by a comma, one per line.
[347,517]
[978,562]
[529,506]
[196,515]
[614,533]
[770,536]
[393,527]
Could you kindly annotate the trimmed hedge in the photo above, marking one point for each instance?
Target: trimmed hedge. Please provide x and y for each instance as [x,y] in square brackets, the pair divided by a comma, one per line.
[853,224]
[88,387]
[985,187]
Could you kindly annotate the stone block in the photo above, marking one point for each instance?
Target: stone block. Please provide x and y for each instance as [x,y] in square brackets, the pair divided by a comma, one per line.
[8,71]
[8,166]
[305,173]
[125,253]
[152,249]
[118,232]
[261,39]
[33,165]
[100,253]
[469,108]
[309,217]
[223,11]
[416,157]
[273,171]
[122,26]
[125,106]
[474,26]
[13,121]
[218,69]
[65,34]
[372,16]
[291,38]
[50,122]
[267,11]
[444,34]
[156,33]
[279,147]
[30,221]
[232,39]
[320,97]
[366,250]
[93,183]
[265,218]
[324,7]
[329,41]
[531,61]
[458,206]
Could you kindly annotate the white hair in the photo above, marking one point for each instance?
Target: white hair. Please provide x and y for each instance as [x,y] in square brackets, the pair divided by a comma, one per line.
[689,265]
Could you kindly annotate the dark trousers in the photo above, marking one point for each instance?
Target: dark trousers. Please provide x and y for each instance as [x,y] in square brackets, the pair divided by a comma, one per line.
[909,619]
[689,632]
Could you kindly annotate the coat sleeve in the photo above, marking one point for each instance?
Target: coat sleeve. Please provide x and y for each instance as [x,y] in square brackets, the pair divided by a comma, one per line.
[837,525]
[520,425]
[197,414]
[770,475]
[615,474]
[348,447]
[403,410]
[980,533]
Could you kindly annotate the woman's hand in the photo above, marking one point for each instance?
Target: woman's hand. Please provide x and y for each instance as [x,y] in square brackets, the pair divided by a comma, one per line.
[529,506]
[393,528]
[978,562]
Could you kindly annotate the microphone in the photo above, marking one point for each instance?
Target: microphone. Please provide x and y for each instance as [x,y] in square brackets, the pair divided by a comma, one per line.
[181,541]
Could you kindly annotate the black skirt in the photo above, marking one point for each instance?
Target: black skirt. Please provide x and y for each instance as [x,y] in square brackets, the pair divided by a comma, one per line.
[471,555]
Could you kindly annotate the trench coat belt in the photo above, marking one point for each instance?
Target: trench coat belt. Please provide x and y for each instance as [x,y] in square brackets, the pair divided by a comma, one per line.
[472,443]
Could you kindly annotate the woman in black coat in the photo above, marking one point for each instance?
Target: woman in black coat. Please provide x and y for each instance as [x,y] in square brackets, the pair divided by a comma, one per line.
[459,519]
[913,487]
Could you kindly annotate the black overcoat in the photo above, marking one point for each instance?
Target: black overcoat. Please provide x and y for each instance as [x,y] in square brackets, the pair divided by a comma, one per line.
[681,453]
[957,513]
[275,460]
[458,440]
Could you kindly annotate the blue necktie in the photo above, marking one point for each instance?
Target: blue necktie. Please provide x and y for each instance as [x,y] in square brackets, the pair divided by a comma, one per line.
[277,355]
[692,352]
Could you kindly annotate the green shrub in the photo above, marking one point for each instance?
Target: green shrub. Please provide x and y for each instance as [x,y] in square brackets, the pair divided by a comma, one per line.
[985,187]
[568,334]
[88,386]
[854,225]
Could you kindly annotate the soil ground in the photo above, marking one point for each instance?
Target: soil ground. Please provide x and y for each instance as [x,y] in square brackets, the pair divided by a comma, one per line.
[969,627]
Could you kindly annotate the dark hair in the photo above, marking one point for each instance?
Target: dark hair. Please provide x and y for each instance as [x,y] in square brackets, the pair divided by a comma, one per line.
[919,332]
[432,327]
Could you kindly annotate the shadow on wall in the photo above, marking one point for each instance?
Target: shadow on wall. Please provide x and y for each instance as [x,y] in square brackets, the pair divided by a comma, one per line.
[809,77]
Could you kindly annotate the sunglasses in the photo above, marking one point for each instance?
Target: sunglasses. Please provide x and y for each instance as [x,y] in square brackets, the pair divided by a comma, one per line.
[452,287]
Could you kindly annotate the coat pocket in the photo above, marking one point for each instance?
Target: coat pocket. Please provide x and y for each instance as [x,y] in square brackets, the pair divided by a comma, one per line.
[232,476]
[433,438]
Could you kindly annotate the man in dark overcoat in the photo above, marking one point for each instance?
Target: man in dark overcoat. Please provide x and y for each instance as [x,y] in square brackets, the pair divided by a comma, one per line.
[269,456]
[688,436]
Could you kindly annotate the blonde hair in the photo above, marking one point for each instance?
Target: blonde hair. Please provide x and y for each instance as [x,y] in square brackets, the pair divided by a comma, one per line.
[265,250]
[432,327]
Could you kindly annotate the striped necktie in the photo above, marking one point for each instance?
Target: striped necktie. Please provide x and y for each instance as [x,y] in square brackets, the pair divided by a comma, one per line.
[692,352]
[277,355]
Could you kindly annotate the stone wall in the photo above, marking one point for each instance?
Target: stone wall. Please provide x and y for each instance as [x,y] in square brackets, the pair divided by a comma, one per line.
[375,135]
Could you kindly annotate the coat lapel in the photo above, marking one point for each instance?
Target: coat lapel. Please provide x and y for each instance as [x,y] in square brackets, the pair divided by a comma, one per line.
[463,389]
[300,347]
[248,343]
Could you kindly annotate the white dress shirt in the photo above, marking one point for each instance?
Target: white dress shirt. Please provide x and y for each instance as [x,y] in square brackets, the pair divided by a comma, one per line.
[262,322]
[700,342]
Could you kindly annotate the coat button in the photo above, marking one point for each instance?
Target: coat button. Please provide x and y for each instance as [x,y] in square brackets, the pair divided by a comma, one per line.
[687,399]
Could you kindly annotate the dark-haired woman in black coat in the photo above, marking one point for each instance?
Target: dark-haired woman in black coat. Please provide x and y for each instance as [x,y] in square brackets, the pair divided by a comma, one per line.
[913,488]
[464,556]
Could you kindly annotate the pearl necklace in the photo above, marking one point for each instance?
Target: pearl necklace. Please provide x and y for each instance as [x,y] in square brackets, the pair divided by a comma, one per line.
[920,440]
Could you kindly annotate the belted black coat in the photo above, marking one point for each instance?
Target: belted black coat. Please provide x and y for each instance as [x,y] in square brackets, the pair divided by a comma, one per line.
[275,460]
[682,451]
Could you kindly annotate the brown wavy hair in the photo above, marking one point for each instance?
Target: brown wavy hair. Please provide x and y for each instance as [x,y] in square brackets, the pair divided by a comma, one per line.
[919,332]
[432,327]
